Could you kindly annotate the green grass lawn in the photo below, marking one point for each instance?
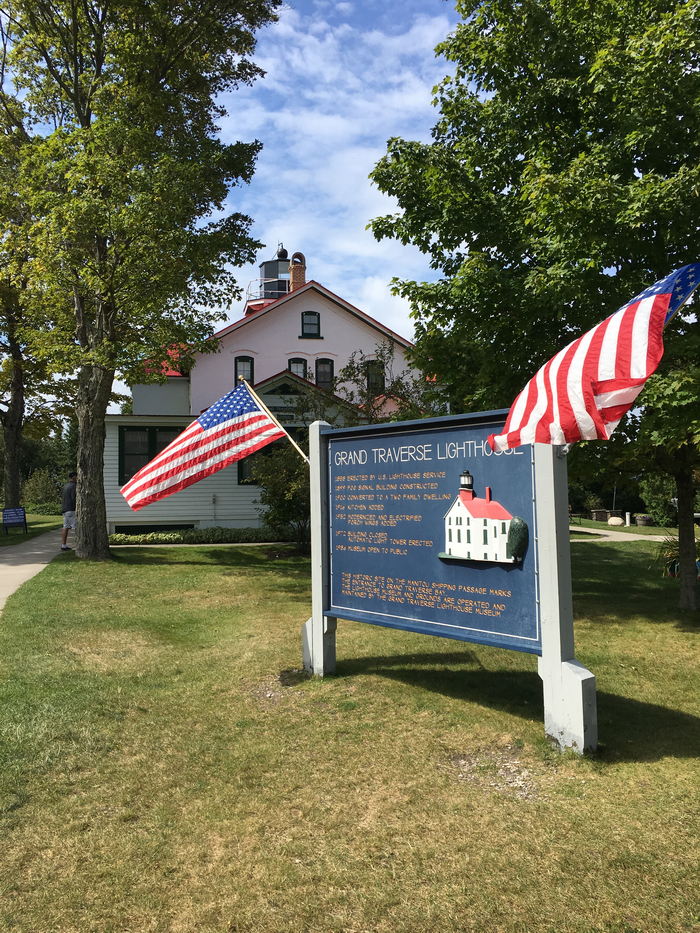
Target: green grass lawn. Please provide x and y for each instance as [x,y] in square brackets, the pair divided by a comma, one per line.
[36,525]
[164,766]
[633,529]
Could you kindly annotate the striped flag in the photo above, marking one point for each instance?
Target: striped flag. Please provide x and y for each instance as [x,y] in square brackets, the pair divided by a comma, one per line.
[230,430]
[583,391]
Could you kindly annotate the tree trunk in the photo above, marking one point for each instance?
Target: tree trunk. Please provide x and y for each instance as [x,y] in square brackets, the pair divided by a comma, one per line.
[94,388]
[13,420]
[12,432]
[687,569]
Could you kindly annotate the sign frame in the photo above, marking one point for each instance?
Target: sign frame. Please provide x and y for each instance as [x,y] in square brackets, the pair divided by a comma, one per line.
[568,687]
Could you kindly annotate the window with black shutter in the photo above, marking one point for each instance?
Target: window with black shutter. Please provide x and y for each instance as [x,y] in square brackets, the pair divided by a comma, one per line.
[310,324]
[139,445]
[244,369]
[324,374]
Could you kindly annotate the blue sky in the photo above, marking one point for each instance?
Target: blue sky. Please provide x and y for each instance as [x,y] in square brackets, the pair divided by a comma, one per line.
[341,78]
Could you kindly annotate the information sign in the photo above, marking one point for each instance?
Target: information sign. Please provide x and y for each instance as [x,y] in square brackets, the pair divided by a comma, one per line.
[431,531]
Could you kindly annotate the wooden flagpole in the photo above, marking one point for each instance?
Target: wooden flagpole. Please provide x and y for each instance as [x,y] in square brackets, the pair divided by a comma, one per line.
[269,413]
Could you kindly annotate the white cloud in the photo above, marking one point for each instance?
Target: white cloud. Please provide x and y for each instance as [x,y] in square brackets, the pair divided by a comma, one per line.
[341,79]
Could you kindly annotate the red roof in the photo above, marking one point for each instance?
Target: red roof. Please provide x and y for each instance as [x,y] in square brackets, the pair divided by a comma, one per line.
[483,508]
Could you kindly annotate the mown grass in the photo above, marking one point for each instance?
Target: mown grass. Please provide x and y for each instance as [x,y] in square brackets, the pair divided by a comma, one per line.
[631,529]
[166,767]
[36,525]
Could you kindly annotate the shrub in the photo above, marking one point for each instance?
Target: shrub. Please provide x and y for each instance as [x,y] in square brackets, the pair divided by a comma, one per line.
[214,535]
[657,491]
[592,502]
[42,508]
[283,478]
[41,493]
[667,557]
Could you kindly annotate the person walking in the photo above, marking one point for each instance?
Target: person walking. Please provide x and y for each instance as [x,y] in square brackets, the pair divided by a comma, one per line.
[68,509]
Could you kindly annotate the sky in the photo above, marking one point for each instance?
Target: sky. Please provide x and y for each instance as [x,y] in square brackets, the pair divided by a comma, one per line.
[341,79]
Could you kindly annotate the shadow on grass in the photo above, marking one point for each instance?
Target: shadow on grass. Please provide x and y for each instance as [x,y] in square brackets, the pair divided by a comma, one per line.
[621,582]
[629,730]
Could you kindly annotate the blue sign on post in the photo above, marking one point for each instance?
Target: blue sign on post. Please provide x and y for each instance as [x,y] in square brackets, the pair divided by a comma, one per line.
[421,526]
[431,531]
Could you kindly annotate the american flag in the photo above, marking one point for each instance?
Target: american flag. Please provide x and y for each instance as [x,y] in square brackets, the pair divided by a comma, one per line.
[230,430]
[583,391]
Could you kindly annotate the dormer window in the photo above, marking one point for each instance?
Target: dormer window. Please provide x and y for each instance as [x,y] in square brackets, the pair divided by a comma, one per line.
[243,368]
[298,366]
[310,324]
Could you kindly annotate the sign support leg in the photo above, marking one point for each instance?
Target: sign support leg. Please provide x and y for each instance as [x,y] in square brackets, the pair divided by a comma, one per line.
[570,716]
[318,632]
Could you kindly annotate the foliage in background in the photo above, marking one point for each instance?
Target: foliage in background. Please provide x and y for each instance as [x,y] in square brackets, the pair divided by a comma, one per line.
[657,491]
[283,478]
[54,452]
[42,493]
[379,391]
[563,177]
[129,237]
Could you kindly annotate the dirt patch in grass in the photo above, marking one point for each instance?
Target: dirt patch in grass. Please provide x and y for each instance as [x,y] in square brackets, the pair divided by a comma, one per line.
[501,769]
[115,650]
[272,689]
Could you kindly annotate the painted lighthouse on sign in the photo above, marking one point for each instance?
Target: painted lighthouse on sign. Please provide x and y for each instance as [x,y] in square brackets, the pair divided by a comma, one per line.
[482,529]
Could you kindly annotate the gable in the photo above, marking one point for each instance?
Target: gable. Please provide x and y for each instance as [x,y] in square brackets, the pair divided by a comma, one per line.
[307,297]
[271,338]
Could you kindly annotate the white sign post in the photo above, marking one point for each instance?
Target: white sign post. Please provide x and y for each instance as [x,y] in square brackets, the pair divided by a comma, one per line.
[318,632]
[570,716]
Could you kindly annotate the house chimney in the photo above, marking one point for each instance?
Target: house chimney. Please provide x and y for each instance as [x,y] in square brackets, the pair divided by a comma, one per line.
[488,493]
[297,271]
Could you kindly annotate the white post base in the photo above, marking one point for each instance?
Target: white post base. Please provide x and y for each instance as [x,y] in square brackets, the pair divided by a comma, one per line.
[318,645]
[570,715]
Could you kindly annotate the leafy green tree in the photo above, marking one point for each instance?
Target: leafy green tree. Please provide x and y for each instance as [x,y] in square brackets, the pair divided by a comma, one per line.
[13,373]
[563,176]
[42,492]
[126,184]
[669,438]
[12,394]
[283,478]
[658,491]
[379,389]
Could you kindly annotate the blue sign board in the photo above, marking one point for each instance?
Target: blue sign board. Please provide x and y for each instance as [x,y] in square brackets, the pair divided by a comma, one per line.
[432,532]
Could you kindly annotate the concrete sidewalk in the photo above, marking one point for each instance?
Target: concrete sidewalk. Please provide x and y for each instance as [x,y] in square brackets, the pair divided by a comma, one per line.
[20,562]
[611,534]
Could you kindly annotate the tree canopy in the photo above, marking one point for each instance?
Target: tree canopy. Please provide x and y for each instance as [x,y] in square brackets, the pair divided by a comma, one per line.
[563,176]
[131,234]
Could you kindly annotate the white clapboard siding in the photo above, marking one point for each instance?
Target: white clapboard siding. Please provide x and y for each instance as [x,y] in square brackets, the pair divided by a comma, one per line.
[217,500]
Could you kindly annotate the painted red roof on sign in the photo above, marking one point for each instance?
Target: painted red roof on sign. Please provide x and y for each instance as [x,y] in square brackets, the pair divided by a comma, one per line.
[483,508]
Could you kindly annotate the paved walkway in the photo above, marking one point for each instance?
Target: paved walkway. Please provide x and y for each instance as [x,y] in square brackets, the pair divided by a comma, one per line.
[610,534]
[20,562]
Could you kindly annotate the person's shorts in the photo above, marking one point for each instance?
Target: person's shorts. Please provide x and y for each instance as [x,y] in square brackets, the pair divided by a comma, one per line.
[69,520]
